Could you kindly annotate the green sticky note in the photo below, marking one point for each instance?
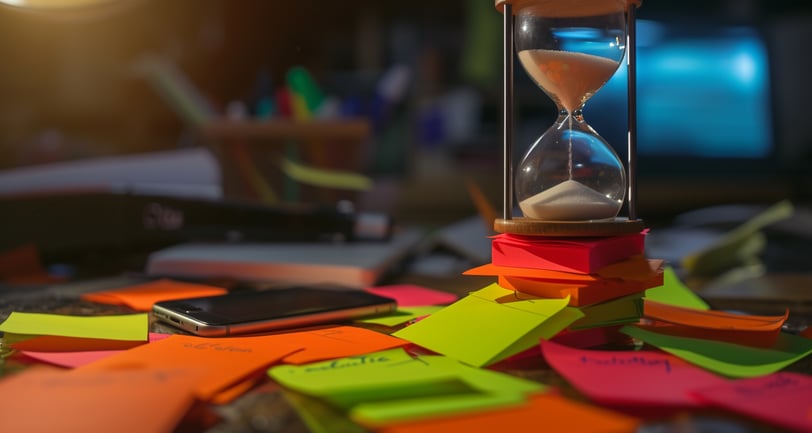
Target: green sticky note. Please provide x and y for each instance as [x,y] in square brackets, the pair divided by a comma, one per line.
[675,292]
[627,309]
[490,325]
[127,327]
[393,385]
[403,315]
[729,359]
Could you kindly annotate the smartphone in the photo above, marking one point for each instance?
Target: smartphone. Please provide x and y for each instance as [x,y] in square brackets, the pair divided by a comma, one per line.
[269,310]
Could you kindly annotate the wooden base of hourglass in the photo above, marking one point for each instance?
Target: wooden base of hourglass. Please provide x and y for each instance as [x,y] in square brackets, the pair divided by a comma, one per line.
[535,227]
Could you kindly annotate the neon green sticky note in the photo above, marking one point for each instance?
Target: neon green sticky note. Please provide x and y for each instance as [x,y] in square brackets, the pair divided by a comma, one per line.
[729,359]
[129,327]
[392,385]
[618,311]
[674,292]
[490,325]
[403,315]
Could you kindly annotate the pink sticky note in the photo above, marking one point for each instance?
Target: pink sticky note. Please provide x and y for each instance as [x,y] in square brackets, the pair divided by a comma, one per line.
[411,295]
[783,399]
[625,378]
[79,358]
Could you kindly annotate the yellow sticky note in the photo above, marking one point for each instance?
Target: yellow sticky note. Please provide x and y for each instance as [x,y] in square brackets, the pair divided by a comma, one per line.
[490,325]
[129,327]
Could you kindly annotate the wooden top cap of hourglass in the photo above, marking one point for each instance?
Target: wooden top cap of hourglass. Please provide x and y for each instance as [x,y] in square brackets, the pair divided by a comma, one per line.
[569,8]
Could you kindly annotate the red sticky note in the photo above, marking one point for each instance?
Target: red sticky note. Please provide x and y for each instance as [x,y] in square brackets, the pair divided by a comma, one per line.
[625,378]
[411,295]
[141,297]
[783,399]
[583,255]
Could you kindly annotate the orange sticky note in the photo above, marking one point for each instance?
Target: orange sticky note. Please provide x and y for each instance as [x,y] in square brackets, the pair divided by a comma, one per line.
[548,412]
[225,362]
[748,330]
[338,342]
[123,401]
[228,362]
[620,279]
[141,297]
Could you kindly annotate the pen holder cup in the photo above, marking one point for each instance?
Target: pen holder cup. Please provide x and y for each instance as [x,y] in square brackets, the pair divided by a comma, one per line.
[276,160]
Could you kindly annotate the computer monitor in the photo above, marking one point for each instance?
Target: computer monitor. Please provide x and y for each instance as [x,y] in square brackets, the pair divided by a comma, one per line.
[706,118]
[704,103]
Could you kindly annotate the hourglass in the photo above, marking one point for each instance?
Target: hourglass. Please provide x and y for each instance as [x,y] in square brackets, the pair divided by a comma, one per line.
[570,181]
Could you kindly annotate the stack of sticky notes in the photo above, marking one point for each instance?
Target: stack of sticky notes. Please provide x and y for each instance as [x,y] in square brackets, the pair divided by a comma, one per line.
[546,287]
[602,277]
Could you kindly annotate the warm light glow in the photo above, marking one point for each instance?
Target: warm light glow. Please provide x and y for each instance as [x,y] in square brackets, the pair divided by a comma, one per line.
[54,4]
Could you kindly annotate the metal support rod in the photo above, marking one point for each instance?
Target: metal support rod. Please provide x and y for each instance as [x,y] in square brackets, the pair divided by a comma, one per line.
[631,51]
[507,112]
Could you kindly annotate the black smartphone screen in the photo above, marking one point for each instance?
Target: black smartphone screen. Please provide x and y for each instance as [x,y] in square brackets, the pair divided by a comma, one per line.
[269,309]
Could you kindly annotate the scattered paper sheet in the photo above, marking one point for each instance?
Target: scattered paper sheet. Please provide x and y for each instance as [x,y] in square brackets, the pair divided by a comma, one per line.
[739,246]
[98,332]
[490,325]
[141,297]
[543,412]
[383,387]
[411,295]
[744,329]
[729,359]
[674,292]
[124,401]
[782,399]
[624,378]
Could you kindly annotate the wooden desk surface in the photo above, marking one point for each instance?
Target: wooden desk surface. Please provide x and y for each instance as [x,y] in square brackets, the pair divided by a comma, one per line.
[268,408]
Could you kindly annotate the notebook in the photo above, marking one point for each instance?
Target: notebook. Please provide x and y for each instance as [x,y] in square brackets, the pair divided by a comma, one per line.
[351,264]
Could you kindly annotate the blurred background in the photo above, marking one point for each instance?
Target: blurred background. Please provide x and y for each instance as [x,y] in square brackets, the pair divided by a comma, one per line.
[723,93]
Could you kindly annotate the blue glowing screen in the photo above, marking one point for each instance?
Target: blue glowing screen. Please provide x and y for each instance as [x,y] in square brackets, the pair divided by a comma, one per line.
[699,94]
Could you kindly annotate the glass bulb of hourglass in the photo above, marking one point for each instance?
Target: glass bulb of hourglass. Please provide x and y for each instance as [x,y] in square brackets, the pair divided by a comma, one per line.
[570,173]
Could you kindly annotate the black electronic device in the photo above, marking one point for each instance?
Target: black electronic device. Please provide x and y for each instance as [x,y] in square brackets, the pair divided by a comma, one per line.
[270,310]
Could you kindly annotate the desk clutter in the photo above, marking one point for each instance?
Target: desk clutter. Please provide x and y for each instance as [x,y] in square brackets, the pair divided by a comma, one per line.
[608,321]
